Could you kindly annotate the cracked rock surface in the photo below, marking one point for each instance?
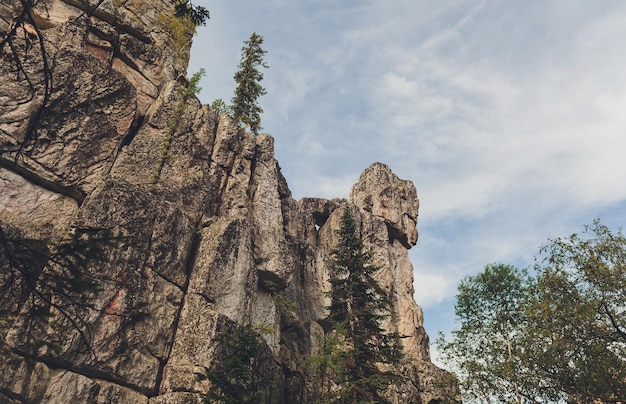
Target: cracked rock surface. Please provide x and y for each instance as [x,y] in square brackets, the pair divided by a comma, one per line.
[208,235]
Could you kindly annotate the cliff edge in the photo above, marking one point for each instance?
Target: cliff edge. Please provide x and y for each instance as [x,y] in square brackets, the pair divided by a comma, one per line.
[97,132]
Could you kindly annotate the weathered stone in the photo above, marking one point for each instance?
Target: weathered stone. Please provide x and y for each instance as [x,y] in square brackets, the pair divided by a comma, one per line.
[69,387]
[223,270]
[73,141]
[24,379]
[194,349]
[177,398]
[124,343]
[382,193]
[146,91]
[42,213]
[199,349]
[230,171]
[270,247]
[210,238]
[267,316]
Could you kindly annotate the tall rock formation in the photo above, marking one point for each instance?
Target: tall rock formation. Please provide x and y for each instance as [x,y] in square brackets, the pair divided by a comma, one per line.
[98,132]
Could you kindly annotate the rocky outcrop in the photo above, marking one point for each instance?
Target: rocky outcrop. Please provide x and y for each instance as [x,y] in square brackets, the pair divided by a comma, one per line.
[204,232]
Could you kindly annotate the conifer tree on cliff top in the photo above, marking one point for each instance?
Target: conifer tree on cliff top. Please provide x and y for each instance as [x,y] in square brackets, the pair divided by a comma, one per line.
[358,307]
[186,9]
[245,108]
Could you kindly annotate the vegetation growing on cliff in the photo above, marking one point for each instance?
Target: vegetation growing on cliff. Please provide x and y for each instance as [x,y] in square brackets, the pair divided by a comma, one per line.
[245,106]
[557,336]
[191,90]
[237,379]
[181,25]
[185,9]
[181,30]
[356,350]
[219,107]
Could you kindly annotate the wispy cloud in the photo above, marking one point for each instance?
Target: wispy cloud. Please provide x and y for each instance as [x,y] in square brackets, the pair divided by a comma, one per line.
[508,116]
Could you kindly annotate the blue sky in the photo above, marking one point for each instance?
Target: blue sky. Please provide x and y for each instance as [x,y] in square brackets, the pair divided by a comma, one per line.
[509,116]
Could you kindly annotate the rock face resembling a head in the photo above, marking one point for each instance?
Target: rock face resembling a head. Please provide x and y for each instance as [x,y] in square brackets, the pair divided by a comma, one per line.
[380,192]
[205,234]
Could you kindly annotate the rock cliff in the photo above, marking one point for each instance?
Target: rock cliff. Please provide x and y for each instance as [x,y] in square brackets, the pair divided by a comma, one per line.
[98,133]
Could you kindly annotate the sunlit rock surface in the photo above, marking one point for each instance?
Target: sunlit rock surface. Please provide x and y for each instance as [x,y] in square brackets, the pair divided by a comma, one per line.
[210,236]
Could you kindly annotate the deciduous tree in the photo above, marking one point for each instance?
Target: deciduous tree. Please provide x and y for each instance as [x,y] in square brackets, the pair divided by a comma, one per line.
[559,336]
[575,344]
[484,352]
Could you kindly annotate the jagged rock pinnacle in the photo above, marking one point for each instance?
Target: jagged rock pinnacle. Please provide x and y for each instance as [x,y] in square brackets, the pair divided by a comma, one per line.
[209,236]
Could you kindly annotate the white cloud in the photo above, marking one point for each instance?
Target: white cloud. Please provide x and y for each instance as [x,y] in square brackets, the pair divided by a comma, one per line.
[432,288]
[321,186]
[288,88]
[508,116]
[490,133]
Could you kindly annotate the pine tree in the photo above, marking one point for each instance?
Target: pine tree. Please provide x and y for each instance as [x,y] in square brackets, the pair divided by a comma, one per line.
[237,379]
[198,15]
[245,108]
[358,307]
[219,107]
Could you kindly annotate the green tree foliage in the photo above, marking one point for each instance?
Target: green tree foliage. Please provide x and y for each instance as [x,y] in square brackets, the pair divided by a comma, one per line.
[193,86]
[358,308]
[246,109]
[558,336]
[187,93]
[237,379]
[198,15]
[484,352]
[219,107]
[575,345]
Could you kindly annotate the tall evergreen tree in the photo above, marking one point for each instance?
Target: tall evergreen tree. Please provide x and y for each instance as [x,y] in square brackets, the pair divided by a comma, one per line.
[245,108]
[358,307]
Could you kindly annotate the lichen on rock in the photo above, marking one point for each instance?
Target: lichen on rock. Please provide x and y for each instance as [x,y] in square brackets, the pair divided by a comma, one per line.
[215,241]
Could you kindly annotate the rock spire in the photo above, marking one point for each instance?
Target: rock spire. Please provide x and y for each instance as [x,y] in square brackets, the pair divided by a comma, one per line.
[209,240]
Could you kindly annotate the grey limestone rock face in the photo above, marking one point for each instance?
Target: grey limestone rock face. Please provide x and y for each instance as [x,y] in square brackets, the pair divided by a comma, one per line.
[205,235]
